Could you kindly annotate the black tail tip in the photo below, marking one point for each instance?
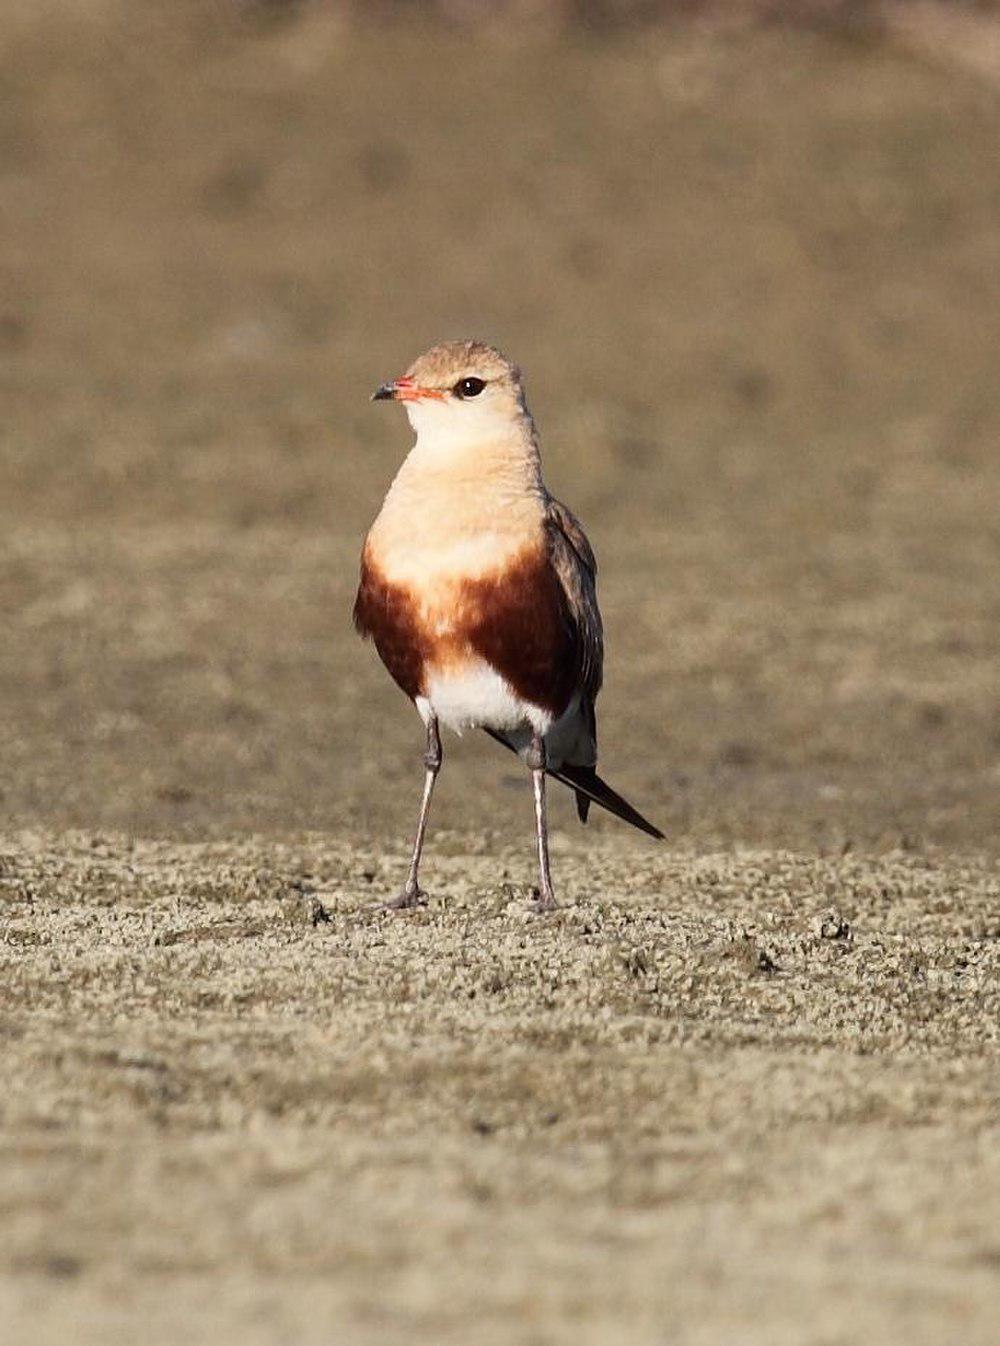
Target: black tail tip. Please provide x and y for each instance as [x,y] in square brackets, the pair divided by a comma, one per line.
[642,824]
[589,788]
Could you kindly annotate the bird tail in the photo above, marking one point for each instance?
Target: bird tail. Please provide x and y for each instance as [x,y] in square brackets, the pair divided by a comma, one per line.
[589,788]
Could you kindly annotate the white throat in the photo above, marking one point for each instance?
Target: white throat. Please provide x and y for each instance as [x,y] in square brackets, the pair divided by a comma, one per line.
[450,430]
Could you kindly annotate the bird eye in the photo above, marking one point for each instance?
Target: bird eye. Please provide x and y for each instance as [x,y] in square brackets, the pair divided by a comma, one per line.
[469,387]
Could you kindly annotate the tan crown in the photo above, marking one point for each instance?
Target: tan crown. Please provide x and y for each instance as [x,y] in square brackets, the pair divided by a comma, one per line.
[442,366]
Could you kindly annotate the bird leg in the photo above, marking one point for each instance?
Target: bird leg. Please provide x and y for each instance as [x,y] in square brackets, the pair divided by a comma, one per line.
[413,895]
[535,759]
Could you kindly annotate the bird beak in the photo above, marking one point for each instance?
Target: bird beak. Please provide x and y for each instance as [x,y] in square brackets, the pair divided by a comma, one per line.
[405,390]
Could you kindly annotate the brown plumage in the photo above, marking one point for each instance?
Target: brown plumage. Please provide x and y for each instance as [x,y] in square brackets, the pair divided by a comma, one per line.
[519,620]
[479,589]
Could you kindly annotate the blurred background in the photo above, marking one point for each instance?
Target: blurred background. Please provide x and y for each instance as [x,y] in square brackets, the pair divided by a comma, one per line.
[747,255]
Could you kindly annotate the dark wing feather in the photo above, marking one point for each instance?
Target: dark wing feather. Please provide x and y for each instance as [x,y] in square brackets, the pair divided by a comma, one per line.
[575,565]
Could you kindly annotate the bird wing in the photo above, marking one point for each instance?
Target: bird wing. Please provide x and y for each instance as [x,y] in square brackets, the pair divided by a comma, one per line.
[575,565]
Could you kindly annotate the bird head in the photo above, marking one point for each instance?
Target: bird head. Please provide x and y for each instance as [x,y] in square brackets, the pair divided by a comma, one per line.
[460,389]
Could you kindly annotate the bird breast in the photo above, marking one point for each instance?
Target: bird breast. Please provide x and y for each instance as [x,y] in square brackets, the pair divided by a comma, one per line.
[432,626]
[456,574]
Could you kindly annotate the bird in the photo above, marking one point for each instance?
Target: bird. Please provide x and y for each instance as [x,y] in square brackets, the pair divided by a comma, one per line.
[478,589]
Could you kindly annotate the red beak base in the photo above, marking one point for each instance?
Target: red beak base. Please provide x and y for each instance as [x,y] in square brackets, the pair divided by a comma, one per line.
[405,390]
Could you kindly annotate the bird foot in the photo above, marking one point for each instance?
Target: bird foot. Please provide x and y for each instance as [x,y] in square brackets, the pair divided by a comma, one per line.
[543,903]
[409,898]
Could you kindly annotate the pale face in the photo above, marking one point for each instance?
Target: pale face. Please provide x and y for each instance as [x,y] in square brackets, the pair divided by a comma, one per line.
[463,391]
[473,408]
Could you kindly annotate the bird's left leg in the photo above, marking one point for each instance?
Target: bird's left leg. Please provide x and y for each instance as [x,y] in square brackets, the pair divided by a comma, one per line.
[535,759]
[413,895]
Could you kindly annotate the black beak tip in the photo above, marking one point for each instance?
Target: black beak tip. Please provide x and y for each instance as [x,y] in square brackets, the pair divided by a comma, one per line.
[385,392]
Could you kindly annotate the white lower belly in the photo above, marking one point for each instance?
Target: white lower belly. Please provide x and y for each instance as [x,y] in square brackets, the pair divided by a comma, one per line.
[475,696]
[568,739]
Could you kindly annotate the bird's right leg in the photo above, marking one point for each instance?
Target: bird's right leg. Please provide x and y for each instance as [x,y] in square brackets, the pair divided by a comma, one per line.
[413,895]
[535,759]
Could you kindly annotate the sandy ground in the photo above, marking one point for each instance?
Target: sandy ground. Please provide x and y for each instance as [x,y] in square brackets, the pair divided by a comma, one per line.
[718,1097]
[744,1086]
